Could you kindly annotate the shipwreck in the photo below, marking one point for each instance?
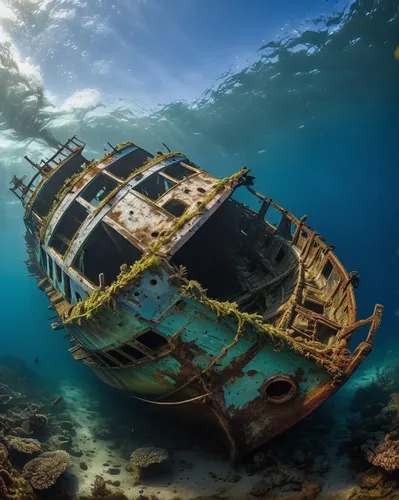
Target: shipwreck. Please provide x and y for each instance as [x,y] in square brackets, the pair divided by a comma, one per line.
[169,288]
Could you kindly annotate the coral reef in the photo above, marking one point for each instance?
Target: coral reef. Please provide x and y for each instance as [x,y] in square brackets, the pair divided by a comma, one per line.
[382,452]
[374,436]
[15,487]
[276,477]
[29,424]
[4,463]
[43,471]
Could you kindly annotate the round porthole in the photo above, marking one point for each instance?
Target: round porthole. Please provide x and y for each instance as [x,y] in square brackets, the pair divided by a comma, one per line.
[280,389]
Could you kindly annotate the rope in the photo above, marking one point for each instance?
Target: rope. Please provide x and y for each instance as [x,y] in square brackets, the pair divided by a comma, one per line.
[173,403]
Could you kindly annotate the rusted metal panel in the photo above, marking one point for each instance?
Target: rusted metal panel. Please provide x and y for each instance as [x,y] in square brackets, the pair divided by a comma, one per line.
[191,191]
[143,220]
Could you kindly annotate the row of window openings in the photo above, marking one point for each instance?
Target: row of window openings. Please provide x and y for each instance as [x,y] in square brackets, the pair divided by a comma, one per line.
[127,354]
[263,238]
[153,186]
[101,187]
[61,277]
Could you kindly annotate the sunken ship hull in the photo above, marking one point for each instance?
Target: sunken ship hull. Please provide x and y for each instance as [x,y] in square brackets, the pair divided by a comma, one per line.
[170,289]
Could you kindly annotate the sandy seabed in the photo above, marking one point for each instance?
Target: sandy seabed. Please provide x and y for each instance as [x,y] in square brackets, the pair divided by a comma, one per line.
[99,428]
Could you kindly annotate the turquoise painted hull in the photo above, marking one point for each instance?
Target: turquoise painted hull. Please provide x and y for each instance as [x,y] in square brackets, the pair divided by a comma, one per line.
[197,336]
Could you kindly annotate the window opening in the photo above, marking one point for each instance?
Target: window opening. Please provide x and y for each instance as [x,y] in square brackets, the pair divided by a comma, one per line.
[106,361]
[280,255]
[152,340]
[50,267]
[273,216]
[359,336]
[128,163]
[119,357]
[98,189]
[316,307]
[325,332]
[154,186]
[178,171]
[45,198]
[280,389]
[66,229]
[175,207]
[58,272]
[131,351]
[43,258]
[104,251]
[327,269]
[67,287]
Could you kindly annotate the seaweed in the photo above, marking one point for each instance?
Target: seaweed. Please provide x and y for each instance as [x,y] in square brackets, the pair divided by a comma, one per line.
[322,354]
[106,298]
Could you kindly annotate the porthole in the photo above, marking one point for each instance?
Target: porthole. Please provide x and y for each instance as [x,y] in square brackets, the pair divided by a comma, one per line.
[280,389]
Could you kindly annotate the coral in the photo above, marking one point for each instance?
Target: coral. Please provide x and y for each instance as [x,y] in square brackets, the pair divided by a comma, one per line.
[14,488]
[3,454]
[44,471]
[19,432]
[393,405]
[5,400]
[144,457]
[309,491]
[38,424]
[369,479]
[24,445]
[382,452]
[99,489]
[278,477]
[4,463]
[6,477]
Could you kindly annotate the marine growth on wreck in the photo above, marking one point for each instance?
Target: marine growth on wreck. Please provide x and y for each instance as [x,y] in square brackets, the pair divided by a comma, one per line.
[171,289]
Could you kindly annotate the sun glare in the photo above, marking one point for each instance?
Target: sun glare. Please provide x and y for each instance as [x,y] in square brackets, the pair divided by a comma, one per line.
[6,12]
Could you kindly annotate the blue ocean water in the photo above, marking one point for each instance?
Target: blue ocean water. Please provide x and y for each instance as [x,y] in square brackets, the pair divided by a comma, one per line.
[312,108]
[314,114]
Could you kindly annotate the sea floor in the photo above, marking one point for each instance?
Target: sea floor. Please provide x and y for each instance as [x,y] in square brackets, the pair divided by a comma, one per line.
[192,473]
[100,428]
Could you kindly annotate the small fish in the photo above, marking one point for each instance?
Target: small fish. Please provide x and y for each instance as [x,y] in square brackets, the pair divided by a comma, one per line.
[56,401]
[36,361]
